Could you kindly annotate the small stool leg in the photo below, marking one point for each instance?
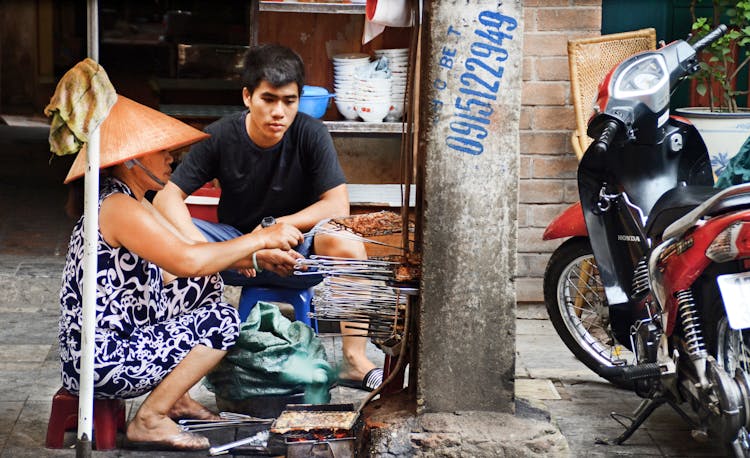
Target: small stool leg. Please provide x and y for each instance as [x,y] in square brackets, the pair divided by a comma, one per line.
[63,416]
[108,414]
[109,417]
[397,384]
[55,428]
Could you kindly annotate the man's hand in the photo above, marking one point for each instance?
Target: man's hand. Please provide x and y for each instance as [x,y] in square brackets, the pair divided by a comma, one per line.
[277,261]
[280,235]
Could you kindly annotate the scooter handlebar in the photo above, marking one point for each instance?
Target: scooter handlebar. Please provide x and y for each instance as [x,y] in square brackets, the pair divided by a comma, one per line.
[601,144]
[712,36]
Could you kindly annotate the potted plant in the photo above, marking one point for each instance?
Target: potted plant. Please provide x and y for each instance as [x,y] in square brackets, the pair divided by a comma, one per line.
[722,122]
[717,78]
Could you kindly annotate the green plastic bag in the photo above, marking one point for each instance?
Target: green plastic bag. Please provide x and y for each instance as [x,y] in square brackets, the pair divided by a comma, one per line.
[737,171]
[272,357]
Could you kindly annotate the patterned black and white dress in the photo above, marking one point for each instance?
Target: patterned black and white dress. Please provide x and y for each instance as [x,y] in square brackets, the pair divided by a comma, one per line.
[143,327]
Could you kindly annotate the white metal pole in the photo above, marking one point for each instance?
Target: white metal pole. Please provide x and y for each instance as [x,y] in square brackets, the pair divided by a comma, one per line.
[90,238]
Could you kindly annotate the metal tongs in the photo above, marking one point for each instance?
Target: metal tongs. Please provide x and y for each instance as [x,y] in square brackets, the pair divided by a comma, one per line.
[259,439]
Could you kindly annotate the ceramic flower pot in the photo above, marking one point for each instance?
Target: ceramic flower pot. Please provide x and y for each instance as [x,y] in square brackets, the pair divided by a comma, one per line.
[723,133]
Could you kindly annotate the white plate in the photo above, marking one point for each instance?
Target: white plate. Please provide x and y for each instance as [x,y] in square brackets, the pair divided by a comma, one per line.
[371,101]
[351,55]
[352,63]
[735,290]
[392,51]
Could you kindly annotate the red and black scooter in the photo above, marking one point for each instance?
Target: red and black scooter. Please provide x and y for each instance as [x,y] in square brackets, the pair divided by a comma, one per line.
[652,288]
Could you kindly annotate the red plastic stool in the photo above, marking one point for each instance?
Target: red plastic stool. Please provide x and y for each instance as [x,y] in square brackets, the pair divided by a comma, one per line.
[109,417]
[397,384]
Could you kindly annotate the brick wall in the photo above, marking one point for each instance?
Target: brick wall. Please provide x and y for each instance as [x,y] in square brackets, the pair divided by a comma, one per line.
[548,164]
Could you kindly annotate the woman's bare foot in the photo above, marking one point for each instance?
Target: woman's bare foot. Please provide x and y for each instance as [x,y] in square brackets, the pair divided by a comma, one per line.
[160,432]
[187,407]
[148,427]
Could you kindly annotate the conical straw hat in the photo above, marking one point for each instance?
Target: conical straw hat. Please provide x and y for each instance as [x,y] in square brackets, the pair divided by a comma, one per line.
[133,130]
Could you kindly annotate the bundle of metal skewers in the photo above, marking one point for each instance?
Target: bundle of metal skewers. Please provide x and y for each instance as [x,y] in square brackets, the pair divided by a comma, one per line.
[329,266]
[374,309]
[357,292]
[226,420]
[368,294]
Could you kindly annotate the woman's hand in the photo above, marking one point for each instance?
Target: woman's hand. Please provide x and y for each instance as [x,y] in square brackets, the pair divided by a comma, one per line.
[280,235]
[277,261]
[247,272]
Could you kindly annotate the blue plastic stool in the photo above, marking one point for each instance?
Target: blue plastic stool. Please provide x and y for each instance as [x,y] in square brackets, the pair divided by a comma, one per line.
[300,299]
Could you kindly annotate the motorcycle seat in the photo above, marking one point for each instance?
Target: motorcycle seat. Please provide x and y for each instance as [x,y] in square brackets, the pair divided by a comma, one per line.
[679,201]
[673,205]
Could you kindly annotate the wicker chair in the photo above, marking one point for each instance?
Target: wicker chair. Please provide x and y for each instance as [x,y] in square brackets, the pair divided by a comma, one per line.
[590,59]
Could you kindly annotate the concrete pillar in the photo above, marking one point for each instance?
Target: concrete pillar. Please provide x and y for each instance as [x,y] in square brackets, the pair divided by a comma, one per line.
[471,100]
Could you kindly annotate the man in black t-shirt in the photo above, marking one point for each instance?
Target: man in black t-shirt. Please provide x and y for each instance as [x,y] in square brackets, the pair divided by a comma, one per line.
[272,161]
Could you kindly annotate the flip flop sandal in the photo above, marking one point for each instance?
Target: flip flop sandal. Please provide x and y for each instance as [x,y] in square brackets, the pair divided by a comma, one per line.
[371,380]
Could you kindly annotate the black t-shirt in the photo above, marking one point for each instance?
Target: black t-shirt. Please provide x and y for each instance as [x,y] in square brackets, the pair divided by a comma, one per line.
[257,182]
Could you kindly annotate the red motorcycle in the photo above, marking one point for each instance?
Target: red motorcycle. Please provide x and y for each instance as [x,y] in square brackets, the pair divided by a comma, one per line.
[650,289]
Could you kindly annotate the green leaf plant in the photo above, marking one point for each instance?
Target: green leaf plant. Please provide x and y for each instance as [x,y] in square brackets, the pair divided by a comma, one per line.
[720,66]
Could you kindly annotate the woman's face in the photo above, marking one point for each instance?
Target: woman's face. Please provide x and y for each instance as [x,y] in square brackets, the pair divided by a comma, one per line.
[159,164]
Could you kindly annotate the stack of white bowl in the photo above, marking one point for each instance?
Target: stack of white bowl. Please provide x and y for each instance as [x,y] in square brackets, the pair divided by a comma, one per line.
[345,82]
[398,64]
[373,91]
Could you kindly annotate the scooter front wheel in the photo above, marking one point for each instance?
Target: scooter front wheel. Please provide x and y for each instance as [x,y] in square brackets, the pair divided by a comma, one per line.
[577,306]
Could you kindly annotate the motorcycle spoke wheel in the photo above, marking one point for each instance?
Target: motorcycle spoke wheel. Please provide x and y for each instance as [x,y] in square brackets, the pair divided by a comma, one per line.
[577,307]
[733,350]
[733,358]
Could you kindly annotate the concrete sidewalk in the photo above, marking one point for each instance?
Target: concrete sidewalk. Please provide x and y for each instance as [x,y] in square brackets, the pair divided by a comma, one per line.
[30,369]
[34,233]
[579,403]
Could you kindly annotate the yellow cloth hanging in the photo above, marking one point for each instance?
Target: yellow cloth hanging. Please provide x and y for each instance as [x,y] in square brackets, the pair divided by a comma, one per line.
[81,101]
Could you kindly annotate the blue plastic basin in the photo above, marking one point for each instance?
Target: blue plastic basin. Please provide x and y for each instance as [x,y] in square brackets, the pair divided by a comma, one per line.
[314,101]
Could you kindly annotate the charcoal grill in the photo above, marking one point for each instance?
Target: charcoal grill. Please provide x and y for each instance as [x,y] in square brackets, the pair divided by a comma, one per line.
[319,430]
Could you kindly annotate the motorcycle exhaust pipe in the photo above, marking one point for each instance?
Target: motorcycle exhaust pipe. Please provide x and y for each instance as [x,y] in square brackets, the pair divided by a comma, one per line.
[630,373]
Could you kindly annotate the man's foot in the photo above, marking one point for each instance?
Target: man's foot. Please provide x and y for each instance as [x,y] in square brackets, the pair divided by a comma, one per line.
[187,407]
[371,380]
[349,372]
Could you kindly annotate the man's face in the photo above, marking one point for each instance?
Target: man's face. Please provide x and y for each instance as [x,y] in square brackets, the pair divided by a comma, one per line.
[272,110]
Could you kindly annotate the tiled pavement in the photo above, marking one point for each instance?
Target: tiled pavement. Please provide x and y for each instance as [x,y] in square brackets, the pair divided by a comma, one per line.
[34,233]
[577,400]
[33,241]
[580,402]
[29,365]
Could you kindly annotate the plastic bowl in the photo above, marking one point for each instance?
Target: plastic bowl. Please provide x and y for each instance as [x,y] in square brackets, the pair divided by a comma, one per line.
[346,108]
[373,111]
[396,111]
[314,101]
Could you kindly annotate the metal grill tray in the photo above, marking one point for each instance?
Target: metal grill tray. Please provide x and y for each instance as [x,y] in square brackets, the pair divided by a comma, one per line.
[306,417]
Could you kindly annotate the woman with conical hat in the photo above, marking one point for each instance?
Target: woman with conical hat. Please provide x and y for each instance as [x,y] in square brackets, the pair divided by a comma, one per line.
[161,324]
